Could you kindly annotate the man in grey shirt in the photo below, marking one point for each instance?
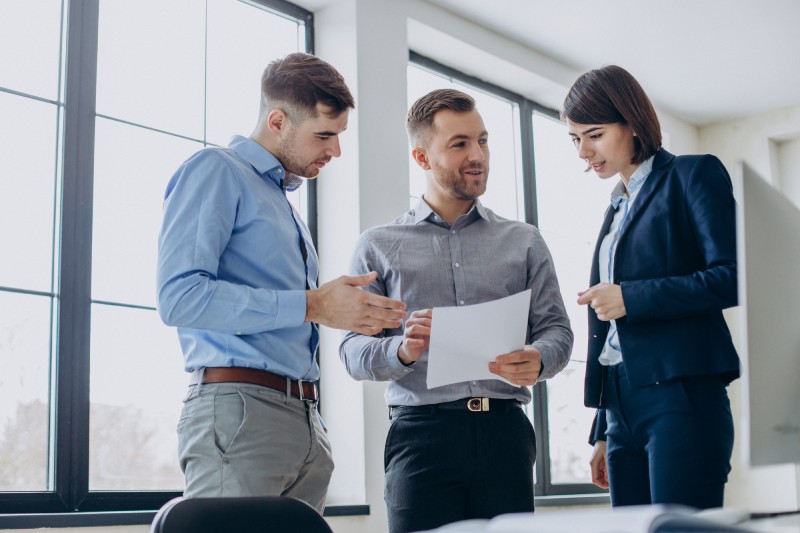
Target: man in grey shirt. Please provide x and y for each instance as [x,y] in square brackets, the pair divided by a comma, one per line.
[464,450]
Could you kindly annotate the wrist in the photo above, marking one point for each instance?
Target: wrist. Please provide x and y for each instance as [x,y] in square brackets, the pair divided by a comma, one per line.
[403,357]
[311,305]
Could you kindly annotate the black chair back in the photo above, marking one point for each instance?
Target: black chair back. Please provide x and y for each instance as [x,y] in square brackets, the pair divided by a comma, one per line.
[262,514]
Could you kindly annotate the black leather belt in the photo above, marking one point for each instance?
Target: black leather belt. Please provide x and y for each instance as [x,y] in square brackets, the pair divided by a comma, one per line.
[470,405]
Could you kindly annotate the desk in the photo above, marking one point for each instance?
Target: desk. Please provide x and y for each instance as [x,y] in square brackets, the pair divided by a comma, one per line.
[638,519]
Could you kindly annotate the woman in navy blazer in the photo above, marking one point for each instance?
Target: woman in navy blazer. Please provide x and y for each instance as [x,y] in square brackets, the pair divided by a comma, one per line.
[660,355]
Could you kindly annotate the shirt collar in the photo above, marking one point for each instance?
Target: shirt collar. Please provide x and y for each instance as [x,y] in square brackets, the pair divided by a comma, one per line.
[422,211]
[637,180]
[264,162]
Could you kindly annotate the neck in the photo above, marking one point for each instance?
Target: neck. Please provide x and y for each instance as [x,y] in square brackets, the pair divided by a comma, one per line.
[450,209]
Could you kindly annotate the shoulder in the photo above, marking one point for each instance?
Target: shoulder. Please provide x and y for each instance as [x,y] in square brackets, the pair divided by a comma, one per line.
[390,230]
[209,167]
[504,225]
[692,164]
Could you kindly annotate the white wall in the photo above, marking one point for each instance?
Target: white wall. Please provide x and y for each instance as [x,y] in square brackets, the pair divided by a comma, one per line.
[769,143]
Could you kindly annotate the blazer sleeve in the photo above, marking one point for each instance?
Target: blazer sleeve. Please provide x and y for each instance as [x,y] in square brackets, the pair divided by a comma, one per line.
[599,426]
[711,211]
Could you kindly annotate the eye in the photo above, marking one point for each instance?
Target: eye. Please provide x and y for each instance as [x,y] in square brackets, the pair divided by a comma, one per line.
[595,135]
[483,141]
[576,141]
[459,144]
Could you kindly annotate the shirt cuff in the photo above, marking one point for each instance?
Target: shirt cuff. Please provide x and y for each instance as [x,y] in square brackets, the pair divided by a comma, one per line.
[291,309]
[393,361]
[549,362]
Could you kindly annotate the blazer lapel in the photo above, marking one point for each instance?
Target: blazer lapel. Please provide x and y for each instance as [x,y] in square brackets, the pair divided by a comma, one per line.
[648,191]
[594,276]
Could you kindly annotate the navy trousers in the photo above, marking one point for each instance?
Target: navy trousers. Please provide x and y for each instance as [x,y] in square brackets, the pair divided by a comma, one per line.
[669,442]
[445,465]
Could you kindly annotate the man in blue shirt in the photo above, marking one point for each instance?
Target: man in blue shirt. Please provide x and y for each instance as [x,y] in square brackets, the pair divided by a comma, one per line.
[237,275]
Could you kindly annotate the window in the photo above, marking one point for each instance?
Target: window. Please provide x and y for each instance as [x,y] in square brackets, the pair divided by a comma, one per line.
[537,178]
[101,101]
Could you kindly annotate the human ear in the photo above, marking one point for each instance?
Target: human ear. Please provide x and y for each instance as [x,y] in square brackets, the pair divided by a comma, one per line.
[420,158]
[277,121]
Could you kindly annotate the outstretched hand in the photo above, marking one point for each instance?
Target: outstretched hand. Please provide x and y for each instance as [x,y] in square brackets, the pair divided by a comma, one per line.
[341,304]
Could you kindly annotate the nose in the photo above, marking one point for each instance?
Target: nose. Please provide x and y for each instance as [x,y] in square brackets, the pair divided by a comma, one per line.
[476,152]
[334,149]
[583,150]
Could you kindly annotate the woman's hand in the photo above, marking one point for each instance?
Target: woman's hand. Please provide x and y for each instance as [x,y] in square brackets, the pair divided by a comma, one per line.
[598,465]
[605,299]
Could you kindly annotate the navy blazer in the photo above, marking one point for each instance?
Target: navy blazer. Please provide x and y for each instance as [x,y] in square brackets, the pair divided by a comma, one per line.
[676,264]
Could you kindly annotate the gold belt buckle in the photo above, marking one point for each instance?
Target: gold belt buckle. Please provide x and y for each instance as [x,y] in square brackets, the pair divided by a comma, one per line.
[476,405]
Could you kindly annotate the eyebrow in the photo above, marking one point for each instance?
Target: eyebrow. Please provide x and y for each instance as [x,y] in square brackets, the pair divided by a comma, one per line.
[328,133]
[460,136]
[590,130]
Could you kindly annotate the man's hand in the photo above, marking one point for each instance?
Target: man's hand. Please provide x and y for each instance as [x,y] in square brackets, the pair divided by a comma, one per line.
[598,465]
[605,299]
[521,367]
[416,336]
[341,304]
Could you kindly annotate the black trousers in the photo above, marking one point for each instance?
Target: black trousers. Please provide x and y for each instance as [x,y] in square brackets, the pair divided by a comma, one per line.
[669,442]
[444,465]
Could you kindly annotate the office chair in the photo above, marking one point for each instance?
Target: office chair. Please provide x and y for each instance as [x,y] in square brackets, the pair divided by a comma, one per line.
[259,514]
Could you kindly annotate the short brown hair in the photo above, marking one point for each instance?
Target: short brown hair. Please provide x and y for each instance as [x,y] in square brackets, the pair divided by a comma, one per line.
[610,95]
[299,81]
[419,122]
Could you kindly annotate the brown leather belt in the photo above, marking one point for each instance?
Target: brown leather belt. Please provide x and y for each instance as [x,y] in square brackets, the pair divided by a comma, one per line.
[304,390]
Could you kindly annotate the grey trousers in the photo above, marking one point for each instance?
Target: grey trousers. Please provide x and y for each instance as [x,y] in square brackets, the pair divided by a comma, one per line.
[236,439]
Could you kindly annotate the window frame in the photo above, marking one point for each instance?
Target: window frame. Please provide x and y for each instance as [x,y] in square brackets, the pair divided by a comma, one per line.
[71,502]
[559,493]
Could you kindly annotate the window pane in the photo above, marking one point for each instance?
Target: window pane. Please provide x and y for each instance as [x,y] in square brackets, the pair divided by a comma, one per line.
[137,379]
[570,206]
[132,168]
[29,46]
[27,190]
[242,40]
[150,64]
[504,188]
[568,422]
[24,382]
[420,83]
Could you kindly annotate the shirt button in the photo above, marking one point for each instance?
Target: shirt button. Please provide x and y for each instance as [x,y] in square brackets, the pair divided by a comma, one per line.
[453,232]
[461,302]
[457,265]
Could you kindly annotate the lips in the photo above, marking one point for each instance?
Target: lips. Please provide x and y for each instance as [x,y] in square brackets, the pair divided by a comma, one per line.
[597,167]
[475,171]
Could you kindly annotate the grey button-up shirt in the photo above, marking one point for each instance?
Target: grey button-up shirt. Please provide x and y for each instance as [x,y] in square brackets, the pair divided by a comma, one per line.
[425,262]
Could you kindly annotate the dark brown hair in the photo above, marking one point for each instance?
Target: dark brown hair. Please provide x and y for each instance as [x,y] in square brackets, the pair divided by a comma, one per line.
[419,122]
[299,81]
[610,95]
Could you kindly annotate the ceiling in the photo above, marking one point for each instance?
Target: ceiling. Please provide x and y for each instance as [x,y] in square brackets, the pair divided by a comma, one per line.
[703,61]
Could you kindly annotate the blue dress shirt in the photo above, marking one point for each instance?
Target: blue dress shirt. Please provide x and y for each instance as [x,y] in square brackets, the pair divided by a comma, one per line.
[231,274]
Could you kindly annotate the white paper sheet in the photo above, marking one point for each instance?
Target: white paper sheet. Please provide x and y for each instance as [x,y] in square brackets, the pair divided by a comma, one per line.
[465,339]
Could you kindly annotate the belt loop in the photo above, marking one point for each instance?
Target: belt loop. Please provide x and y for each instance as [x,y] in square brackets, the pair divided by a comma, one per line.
[288,389]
